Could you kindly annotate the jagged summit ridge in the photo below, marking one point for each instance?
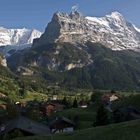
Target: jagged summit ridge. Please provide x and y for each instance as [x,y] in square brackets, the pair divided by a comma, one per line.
[113,30]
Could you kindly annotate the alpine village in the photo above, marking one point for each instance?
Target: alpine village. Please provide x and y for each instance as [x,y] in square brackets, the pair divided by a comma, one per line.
[77,80]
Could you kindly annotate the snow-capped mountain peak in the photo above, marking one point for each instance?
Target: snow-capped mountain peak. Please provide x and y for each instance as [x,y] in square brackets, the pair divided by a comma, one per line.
[17,36]
[16,39]
[116,15]
[112,30]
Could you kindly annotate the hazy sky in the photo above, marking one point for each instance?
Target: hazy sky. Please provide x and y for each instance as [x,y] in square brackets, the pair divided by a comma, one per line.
[37,13]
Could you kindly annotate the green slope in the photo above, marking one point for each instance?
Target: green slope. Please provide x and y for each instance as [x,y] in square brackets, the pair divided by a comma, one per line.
[118,70]
[8,83]
[122,131]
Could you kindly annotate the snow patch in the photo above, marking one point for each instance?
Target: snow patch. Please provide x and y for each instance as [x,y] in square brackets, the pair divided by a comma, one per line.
[93,20]
[137,29]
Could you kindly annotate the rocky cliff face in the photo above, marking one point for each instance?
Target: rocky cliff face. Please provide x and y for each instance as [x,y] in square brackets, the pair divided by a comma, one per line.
[113,31]
[3,61]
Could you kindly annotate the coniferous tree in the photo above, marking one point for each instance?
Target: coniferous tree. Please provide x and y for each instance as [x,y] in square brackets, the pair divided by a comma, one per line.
[12,111]
[96,97]
[101,117]
[65,102]
[75,104]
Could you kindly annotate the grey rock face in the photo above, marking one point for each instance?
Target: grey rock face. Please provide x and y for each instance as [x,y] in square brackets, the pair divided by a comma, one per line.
[113,31]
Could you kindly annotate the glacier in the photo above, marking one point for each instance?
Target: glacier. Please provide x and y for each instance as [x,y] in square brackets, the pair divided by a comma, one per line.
[17,39]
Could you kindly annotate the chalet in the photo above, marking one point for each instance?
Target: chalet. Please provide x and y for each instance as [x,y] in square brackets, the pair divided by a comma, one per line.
[83,104]
[62,124]
[113,97]
[26,126]
[55,97]
[49,108]
[126,114]
[108,98]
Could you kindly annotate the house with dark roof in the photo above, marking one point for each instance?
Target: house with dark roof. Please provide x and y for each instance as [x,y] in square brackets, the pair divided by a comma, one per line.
[26,126]
[83,104]
[61,124]
[126,114]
